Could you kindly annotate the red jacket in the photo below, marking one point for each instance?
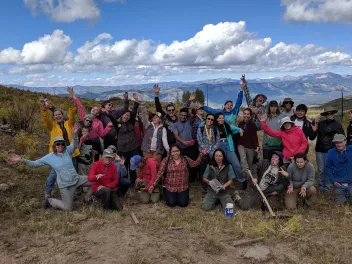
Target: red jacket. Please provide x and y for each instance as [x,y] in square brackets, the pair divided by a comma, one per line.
[293,140]
[148,171]
[109,179]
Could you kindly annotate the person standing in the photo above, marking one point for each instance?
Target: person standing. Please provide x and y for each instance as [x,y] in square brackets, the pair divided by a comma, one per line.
[339,169]
[169,117]
[288,110]
[273,122]
[248,144]
[326,131]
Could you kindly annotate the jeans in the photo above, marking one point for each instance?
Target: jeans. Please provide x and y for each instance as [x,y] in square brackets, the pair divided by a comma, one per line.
[232,158]
[123,185]
[128,155]
[342,193]
[176,198]
[323,179]
[67,194]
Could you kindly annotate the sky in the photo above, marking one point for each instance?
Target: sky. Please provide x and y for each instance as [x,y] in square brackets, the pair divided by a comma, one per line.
[115,42]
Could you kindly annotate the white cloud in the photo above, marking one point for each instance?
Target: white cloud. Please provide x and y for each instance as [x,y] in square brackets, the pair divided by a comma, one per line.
[67,10]
[221,48]
[47,49]
[328,11]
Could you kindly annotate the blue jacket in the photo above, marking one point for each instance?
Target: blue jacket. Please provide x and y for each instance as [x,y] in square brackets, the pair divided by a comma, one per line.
[339,165]
[62,165]
[121,170]
[230,117]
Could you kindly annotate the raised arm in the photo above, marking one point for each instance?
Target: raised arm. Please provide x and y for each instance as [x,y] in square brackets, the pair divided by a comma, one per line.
[71,115]
[238,104]
[158,106]
[143,109]
[269,131]
[77,102]
[119,112]
[72,147]
[164,139]
[46,119]
[246,91]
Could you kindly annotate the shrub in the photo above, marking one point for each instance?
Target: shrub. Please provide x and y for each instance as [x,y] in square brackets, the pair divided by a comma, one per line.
[26,144]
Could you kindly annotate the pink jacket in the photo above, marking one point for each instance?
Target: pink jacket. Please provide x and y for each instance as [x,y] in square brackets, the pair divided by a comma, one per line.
[97,129]
[293,140]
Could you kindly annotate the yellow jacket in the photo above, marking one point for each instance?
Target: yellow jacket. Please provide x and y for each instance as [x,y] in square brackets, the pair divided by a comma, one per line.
[55,129]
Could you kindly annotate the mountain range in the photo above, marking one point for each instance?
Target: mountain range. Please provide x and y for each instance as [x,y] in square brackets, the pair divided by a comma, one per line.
[308,89]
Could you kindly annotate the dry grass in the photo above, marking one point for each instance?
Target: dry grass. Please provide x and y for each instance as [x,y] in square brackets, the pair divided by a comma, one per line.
[319,235]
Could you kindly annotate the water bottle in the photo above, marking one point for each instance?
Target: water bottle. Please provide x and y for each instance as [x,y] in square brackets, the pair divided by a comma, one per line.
[229,210]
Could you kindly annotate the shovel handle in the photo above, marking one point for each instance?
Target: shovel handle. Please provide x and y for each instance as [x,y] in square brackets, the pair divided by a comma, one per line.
[263,196]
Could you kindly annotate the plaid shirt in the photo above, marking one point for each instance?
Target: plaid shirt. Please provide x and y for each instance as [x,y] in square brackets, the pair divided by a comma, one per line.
[195,127]
[176,179]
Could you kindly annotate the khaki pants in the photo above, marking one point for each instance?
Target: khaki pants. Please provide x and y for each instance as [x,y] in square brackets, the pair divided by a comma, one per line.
[211,199]
[153,154]
[145,197]
[291,198]
[247,157]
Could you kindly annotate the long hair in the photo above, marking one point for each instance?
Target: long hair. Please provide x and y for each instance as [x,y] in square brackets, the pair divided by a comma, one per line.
[268,114]
[224,161]
[216,124]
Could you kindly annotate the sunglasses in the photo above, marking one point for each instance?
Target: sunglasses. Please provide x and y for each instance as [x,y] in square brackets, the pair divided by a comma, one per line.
[210,119]
[183,115]
[60,144]
[87,120]
[171,110]
[330,113]
[289,102]
[110,104]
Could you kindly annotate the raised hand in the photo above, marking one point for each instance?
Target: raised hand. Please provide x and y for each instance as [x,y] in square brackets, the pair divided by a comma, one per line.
[122,160]
[260,117]
[244,82]
[75,129]
[14,159]
[315,127]
[283,173]
[192,97]
[70,91]
[156,88]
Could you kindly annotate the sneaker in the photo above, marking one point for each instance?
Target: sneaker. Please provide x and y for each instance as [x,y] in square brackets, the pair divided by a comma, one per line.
[46,204]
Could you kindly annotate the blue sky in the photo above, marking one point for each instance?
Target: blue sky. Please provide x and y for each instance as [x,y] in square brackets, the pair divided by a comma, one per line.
[224,48]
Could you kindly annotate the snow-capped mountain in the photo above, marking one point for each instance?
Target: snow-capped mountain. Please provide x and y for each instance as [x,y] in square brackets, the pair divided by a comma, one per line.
[311,89]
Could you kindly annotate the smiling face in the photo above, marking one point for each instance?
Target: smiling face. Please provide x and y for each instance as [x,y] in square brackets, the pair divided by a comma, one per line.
[210,121]
[287,125]
[300,162]
[221,119]
[60,146]
[218,157]
[95,111]
[87,122]
[260,100]
[228,106]
[156,120]
[340,146]
[300,114]
[58,116]
[170,111]
[246,115]
[175,153]
[183,116]
[108,106]
[126,116]
[288,106]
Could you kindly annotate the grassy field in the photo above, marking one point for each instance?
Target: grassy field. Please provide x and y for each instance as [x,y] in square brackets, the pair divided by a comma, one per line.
[89,235]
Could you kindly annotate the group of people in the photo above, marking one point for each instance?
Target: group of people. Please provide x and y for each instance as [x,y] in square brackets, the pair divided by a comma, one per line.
[104,148]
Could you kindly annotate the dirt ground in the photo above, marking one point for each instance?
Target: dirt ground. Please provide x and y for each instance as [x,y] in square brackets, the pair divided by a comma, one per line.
[29,234]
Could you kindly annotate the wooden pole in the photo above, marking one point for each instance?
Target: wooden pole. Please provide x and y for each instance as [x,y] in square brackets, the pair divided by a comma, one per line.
[263,196]
[135,220]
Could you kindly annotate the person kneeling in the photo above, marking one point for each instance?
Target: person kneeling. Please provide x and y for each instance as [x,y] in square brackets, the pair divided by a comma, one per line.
[301,175]
[103,176]
[218,175]
[148,171]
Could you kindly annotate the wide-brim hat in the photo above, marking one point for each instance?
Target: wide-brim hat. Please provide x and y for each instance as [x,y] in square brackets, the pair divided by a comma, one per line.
[287,99]
[339,138]
[59,139]
[327,110]
[262,95]
[284,120]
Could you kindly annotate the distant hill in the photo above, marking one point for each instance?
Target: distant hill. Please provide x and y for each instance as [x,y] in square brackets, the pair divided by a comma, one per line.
[309,89]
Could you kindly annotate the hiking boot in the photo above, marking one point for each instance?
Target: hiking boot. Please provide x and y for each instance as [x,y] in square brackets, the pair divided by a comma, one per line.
[236,196]
[306,203]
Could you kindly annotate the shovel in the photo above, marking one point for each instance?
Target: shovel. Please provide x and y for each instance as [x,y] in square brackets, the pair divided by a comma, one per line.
[272,214]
